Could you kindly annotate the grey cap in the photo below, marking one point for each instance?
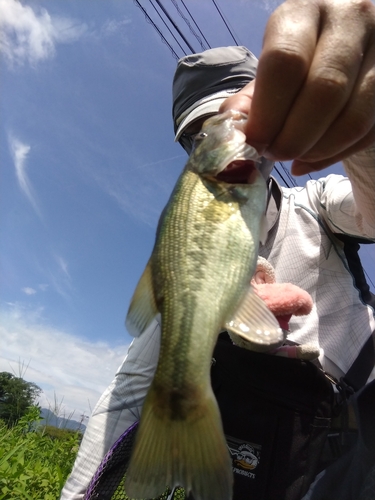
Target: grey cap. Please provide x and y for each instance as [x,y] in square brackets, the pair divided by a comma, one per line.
[203,81]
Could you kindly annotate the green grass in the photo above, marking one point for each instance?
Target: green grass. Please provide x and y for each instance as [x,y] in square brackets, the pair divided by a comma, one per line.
[35,460]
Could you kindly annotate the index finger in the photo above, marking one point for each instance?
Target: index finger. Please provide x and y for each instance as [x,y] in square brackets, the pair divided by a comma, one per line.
[288,49]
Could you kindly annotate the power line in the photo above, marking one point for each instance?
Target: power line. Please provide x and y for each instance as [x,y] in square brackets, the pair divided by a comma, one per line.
[287,173]
[175,26]
[285,182]
[168,28]
[194,21]
[224,21]
[368,277]
[189,25]
[149,20]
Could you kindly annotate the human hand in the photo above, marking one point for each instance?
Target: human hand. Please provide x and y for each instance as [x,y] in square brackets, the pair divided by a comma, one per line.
[313,100]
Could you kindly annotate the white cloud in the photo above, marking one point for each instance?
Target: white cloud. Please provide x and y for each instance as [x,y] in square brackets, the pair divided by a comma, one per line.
[30,36]
[28,290]
[72,369]
[60,277]
[113,26]
[63,265]
[20,151]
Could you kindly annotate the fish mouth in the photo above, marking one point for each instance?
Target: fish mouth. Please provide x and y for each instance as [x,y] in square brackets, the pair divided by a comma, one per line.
[239,172]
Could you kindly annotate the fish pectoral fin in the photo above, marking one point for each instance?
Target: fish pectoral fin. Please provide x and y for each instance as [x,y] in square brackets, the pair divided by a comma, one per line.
[142,309]
[255,324]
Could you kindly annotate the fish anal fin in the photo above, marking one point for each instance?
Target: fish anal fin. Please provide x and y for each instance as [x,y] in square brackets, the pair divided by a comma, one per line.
[142,309]
[255,324]
[189,452]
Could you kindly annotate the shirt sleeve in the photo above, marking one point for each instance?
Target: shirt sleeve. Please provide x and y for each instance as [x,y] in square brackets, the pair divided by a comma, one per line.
[347,204]
[360,169]
[117,409]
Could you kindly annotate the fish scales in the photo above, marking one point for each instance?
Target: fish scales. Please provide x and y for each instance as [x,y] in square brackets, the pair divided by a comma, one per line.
[197,277]
[197,263]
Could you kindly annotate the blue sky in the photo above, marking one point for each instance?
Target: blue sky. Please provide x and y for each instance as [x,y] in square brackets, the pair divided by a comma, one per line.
[87,164]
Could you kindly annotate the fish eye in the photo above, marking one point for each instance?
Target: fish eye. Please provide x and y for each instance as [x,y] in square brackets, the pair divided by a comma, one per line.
[200,136]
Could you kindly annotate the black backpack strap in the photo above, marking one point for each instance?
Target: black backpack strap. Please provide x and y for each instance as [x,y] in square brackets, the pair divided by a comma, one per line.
[351,248]
[360,370]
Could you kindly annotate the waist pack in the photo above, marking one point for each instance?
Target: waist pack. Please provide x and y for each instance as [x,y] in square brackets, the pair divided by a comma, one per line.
[276,414]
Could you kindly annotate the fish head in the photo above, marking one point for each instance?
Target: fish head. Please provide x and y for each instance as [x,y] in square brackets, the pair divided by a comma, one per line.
[220,150]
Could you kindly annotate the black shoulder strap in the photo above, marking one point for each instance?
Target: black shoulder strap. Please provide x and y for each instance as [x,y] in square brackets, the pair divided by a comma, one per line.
[351,248]
[360,370]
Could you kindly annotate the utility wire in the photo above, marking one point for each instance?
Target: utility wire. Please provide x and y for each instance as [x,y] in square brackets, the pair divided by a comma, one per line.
[280,175]
[168,28]
[194,21]
[368,277]
[224,21]
[149,20]
[287,173]
[175,26]
[203,47]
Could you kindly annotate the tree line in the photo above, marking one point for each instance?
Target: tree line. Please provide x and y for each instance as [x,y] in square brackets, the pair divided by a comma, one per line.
[16,396]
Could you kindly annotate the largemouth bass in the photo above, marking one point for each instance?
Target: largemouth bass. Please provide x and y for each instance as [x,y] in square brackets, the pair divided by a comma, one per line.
[198,278]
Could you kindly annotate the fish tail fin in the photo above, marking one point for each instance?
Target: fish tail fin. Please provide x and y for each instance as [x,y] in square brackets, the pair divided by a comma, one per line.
[189,452]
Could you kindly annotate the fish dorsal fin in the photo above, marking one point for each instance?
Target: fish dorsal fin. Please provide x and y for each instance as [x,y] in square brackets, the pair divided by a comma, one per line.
[142,309]
[256,324]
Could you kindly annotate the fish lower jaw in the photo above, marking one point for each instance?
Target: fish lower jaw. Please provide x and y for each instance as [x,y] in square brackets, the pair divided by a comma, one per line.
[239,172]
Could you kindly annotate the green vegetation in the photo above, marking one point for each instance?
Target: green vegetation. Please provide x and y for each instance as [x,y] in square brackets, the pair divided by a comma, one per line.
[16,395]
[35,460]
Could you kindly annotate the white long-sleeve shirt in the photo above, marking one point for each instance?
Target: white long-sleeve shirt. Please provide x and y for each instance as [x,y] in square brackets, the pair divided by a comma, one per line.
[303,250]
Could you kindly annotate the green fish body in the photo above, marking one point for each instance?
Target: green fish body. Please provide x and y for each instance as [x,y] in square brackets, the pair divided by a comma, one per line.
[198,279]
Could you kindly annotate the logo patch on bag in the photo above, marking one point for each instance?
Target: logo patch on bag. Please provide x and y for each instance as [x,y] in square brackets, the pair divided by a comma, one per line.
[245,456]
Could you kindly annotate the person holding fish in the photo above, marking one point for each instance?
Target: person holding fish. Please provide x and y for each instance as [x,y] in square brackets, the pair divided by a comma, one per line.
[313,102]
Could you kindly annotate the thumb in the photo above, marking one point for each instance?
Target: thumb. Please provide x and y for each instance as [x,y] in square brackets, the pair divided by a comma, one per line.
[240,101]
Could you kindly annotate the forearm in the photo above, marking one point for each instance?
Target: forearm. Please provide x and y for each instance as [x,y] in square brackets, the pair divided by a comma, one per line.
[360,168]
[118,408]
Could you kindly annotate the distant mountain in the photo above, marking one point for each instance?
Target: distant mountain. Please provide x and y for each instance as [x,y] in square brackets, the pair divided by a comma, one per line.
[49,418]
